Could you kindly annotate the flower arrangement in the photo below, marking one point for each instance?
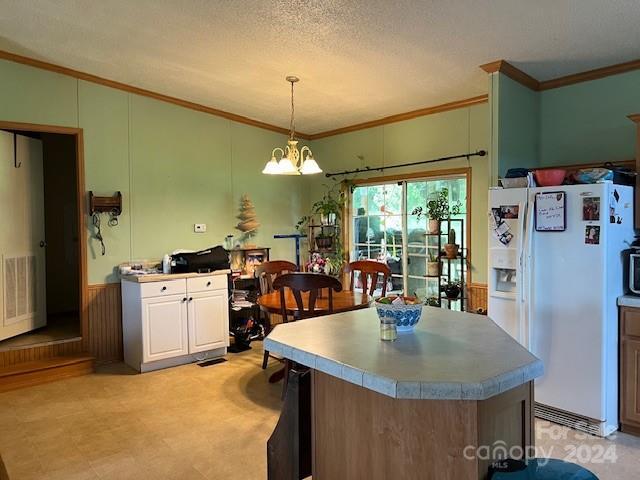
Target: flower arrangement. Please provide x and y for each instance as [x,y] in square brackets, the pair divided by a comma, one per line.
[316,263]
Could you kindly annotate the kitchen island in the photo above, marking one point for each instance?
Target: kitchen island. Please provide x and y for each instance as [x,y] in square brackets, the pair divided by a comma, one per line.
[417,408]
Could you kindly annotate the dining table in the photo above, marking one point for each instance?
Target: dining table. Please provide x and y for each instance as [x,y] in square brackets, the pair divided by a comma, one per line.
[343,301]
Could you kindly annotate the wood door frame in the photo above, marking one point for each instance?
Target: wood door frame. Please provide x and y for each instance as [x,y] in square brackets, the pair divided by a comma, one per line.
[81,212]
[426,174]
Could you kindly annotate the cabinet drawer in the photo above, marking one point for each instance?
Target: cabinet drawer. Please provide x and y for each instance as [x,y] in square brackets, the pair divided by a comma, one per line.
[631,322]
[203,284]
[160,289]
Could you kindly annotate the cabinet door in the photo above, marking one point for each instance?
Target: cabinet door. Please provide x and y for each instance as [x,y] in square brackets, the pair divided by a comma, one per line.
[164,327]
[208,320]
[630,391]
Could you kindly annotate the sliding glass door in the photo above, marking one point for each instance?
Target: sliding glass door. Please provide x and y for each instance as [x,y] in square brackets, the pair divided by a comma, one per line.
[389,224]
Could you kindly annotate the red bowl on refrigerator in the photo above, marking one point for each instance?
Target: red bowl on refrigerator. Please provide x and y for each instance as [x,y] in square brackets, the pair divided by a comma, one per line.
[549,177]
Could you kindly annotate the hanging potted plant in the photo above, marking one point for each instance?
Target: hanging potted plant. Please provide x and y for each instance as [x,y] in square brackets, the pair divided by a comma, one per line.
[433,265]
[452,290]
[451,248]
[439,209]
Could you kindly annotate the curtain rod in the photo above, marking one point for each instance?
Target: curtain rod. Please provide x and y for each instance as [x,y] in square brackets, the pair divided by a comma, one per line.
[479,153]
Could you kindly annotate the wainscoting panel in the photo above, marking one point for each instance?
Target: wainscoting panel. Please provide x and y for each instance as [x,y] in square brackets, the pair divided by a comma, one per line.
[104,306]
[477,297]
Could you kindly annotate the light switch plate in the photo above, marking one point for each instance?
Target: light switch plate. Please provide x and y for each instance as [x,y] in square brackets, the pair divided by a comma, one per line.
[200,227]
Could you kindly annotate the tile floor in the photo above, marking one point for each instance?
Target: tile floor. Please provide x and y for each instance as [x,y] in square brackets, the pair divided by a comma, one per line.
[193,423]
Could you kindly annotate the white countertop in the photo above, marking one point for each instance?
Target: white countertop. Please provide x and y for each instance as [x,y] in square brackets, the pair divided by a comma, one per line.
[629,301]
[162,277]
[449,356]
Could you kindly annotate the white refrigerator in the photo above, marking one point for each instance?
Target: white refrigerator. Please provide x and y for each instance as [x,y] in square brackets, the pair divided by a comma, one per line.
[555,273]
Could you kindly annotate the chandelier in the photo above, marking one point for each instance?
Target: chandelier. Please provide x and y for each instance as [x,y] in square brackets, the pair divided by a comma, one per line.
[292,161]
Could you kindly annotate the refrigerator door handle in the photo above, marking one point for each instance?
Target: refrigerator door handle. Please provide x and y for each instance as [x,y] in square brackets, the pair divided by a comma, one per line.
[522,247]
[526,274]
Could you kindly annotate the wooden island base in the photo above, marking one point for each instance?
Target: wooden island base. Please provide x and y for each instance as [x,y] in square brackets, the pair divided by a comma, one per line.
[358,433]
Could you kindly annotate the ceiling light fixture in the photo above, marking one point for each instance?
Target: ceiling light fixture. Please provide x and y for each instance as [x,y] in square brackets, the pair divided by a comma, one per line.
[292,161]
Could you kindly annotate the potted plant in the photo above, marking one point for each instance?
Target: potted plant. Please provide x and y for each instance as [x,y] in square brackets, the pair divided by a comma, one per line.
[324,241]
[439,209]
[452,290]
[433,265]
[303,223]
[451,248]
[432,302]
[329,207]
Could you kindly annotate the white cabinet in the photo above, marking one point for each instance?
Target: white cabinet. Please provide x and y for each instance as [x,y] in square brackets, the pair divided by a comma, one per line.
[164,327]
[174,321]
[203,333]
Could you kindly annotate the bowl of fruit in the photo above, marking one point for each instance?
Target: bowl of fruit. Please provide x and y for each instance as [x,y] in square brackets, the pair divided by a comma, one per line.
[406,311]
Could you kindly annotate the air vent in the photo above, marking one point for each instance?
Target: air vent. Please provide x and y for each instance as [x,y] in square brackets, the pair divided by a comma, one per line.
[577,422]
[20,287]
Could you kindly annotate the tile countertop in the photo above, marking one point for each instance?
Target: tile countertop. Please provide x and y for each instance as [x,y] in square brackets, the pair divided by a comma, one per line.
[629,301]
[449,356]
[161,277]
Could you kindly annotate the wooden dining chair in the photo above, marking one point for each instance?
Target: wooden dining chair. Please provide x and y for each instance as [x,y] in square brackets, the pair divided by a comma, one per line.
[266,273]
[300,283]
[369,271]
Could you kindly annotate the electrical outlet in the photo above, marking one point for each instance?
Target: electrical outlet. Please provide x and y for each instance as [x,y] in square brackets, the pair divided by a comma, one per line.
[200,227]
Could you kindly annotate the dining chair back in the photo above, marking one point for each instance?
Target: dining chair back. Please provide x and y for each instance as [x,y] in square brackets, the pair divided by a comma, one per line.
[268,271]
[369,271]
[300,283]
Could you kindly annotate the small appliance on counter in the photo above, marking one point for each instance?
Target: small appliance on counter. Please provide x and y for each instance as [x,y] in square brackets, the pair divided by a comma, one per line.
[203,261]
[631,266]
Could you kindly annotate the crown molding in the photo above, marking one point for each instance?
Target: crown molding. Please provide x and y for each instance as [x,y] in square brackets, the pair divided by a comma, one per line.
[504,67]
[467,102]
[635,117]
[527,80]
[32,62]
[4,55]
[594,74]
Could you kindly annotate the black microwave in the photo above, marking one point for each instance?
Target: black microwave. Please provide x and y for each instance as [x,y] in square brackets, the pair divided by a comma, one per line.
[634,273]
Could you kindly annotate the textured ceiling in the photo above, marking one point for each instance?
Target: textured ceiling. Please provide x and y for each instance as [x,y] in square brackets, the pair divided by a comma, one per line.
[358,60]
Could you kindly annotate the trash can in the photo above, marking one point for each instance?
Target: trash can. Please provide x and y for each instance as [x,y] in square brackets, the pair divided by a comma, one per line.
[538,469]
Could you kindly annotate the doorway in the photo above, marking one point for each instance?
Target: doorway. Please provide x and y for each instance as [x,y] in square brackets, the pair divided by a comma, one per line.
[41,247]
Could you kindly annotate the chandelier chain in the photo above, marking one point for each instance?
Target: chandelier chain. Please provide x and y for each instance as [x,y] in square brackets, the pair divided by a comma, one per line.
[292,124]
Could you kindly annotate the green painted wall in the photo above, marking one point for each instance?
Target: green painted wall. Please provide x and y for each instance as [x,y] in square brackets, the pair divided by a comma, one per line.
[442,134]
[587,122]
[582,123]
[174,166]
[104,118]
[31,95]
[516,124]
